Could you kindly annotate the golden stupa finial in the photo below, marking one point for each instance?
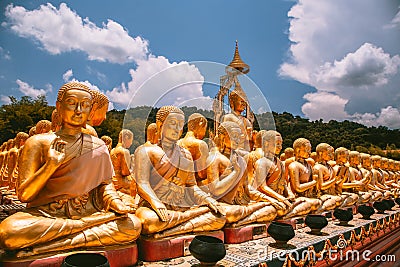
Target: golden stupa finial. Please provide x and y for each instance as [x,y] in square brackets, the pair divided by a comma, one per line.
[237,63]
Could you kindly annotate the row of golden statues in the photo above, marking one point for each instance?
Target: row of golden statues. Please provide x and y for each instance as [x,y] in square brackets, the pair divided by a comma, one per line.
[80,192]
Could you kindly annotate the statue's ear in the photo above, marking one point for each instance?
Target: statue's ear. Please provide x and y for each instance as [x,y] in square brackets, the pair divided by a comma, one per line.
[92,111]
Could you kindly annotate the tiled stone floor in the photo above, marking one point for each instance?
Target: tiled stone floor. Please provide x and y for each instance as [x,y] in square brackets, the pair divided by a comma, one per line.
[253,252]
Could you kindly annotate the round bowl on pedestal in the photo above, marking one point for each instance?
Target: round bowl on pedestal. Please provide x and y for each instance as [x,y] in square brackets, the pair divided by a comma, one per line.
[380,206]
[207,249]
[344,216]
[281,232]
[366,211]
[316,223]
[389,203]
[85,259]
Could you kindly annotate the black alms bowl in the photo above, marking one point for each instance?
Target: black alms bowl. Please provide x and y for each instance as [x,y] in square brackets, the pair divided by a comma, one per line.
[389,203]
[281,232]
[397,200]
[380,206]
[316,222]
[207,249]
[344,216]
[366,211]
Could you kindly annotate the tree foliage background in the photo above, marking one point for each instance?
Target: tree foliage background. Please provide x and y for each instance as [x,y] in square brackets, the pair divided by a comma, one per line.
[21,115]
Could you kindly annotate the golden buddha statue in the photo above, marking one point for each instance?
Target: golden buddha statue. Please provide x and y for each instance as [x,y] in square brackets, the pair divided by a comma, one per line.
[43,126]
[120,158]
[13,156]
[377,177]
[108,141]
[255,155]
[151,134]
[65,179]
[193,141]
[227,181]
[356,177]
[271,180]
[171,202]
[303,183]
[367,175]
[238,103]
[3,153]
[324,173]
[342,174]
[4,172]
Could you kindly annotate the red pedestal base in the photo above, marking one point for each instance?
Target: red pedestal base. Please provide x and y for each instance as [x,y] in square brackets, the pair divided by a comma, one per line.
[236,235]
[123,256]
[168,248]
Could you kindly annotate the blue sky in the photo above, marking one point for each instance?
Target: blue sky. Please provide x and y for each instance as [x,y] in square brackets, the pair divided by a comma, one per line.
[331,59]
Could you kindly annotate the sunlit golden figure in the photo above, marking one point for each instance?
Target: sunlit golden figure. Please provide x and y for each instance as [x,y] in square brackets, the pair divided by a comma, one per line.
[342,174]
[193,141]
[120,158]
[65,179]
[366,170]
[302,180]
[356,177]
[5,172]
[377,180]
[13,156]
[170,198]
[270,178]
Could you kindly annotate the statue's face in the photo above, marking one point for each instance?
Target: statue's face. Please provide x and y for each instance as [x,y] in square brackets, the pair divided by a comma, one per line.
[273,146]
[327,154]
[127,141]
[75,107]
[342,157]
[173,126]
[233,138]
[239,104]
[305,151]
[376,163]
[366,162]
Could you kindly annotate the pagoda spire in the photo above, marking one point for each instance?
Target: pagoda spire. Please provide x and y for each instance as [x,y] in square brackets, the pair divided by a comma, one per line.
[237,63]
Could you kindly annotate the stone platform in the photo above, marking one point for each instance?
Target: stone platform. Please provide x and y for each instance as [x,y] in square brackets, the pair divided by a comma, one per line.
[118,256]
[380,235]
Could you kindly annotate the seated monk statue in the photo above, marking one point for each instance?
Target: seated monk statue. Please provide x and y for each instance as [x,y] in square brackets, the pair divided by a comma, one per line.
[65,179]
[43,126]
[4,172]
[193,141]
[151,134]
[238,103]
[342,174]
[3,153]
[302,180]
[377,180]
[326,180]
[120,158]
[356,177]
[14,153]
[171,202]
[289,158]
[366,170]
[227,181]
[108,141]
[254,155]
[271,180]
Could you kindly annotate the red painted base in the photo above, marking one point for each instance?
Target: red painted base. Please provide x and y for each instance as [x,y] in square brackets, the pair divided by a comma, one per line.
[236,235]
[122,256]
[168,248]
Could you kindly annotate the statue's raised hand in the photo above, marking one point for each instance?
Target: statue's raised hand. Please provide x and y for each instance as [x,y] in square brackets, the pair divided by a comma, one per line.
[56,153]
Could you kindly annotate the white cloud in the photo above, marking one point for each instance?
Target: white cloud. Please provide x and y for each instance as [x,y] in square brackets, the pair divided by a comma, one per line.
[395,23]
[157,82]
[388,116]
[68,75]
[4,53]
[29,90]
[63,30]
[343,49]
[323,105]
[5,100]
